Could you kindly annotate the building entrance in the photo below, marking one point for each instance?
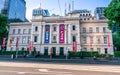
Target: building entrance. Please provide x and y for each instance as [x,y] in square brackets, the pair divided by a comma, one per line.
[46,51]
[62,51]
[54,51]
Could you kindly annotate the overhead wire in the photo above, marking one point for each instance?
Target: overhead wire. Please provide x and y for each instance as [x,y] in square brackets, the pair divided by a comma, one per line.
[59,7]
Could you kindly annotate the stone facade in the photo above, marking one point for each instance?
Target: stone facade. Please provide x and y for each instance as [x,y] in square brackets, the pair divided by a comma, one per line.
[90,35]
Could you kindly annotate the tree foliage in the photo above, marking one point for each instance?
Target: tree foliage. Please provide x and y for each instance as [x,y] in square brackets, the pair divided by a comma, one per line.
[116,41]
[112,13]
[3,27]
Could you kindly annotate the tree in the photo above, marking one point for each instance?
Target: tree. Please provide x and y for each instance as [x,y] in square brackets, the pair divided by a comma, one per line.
[116,41]
[112,13]
[3,27]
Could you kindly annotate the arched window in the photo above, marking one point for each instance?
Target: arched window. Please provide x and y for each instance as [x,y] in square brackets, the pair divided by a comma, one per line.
[83,14]
[36,28]
[73,27]
[74,38]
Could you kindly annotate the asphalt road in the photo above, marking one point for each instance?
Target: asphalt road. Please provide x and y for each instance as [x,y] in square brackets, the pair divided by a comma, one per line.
[45,71]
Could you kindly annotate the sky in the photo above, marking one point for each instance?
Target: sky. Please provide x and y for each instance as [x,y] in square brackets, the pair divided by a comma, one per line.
[53,6]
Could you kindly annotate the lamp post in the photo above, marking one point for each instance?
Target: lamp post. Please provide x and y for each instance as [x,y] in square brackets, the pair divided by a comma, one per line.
[67,53]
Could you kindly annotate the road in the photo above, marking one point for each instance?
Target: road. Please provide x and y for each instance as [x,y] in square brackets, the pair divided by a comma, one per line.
[26,68]
[44,71]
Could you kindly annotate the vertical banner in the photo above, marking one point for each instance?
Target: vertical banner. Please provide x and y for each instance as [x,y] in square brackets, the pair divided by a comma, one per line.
[31,46]
[47,33]
[108,41]
[10,43]
[17,42]
[62,27]
[91,41]
[74,46]
[98,41]
[3,42]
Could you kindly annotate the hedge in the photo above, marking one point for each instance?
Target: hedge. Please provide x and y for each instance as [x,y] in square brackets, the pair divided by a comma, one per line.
[83,53]
[117,53]
[13,52]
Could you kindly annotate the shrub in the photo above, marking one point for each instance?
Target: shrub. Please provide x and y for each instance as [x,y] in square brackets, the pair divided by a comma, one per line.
[13,52]
[117,53]
[83,53]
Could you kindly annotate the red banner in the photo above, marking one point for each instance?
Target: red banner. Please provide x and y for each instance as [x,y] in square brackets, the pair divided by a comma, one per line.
[3,43]
[31,46]
[17,42]
[108,41]
[62,27]
[74,46]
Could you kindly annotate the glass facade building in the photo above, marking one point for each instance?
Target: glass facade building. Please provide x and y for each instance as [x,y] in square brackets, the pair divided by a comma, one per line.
[15,9]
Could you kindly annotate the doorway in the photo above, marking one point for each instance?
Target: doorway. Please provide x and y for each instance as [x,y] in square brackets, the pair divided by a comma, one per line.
[61,51]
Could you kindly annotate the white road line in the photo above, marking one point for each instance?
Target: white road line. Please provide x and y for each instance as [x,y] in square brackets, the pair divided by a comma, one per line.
[20,72]
[43,70]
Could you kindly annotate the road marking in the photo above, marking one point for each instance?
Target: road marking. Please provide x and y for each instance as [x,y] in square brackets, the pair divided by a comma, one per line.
[43,70]
[20,72]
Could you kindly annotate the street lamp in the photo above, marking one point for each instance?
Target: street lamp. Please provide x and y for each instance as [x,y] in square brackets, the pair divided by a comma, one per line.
[67,53]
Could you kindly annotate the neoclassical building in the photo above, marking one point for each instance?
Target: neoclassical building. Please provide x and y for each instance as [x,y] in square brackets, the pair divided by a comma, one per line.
[61,33]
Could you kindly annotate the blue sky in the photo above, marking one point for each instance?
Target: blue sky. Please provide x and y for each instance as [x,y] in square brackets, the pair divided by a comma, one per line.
[53,7]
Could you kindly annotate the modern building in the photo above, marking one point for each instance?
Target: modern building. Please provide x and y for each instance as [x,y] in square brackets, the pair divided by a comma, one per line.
[38,12]
[1,5]
[99,13]
[15,10]
[62,34]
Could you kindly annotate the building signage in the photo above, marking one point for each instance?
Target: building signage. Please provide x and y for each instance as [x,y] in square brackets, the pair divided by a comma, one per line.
[31,46]
[74,46]
[47,33]
[62,27]
[3,43]
[108,41]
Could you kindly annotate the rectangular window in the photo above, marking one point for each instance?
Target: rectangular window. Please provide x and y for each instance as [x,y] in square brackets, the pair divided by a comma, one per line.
[73,27]
[104,29]
[35,38]
[19,31]
[84,40]
[24,40]
[54,39]
[29,38]
[90,30]
[13,31]
[54,28]
[84,30]
[97,29]
[36,28]
[105,40]
[24,31]
[29,31]
[91,39]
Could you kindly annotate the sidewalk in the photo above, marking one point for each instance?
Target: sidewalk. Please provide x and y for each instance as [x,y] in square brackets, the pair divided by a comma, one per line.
[63,61]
